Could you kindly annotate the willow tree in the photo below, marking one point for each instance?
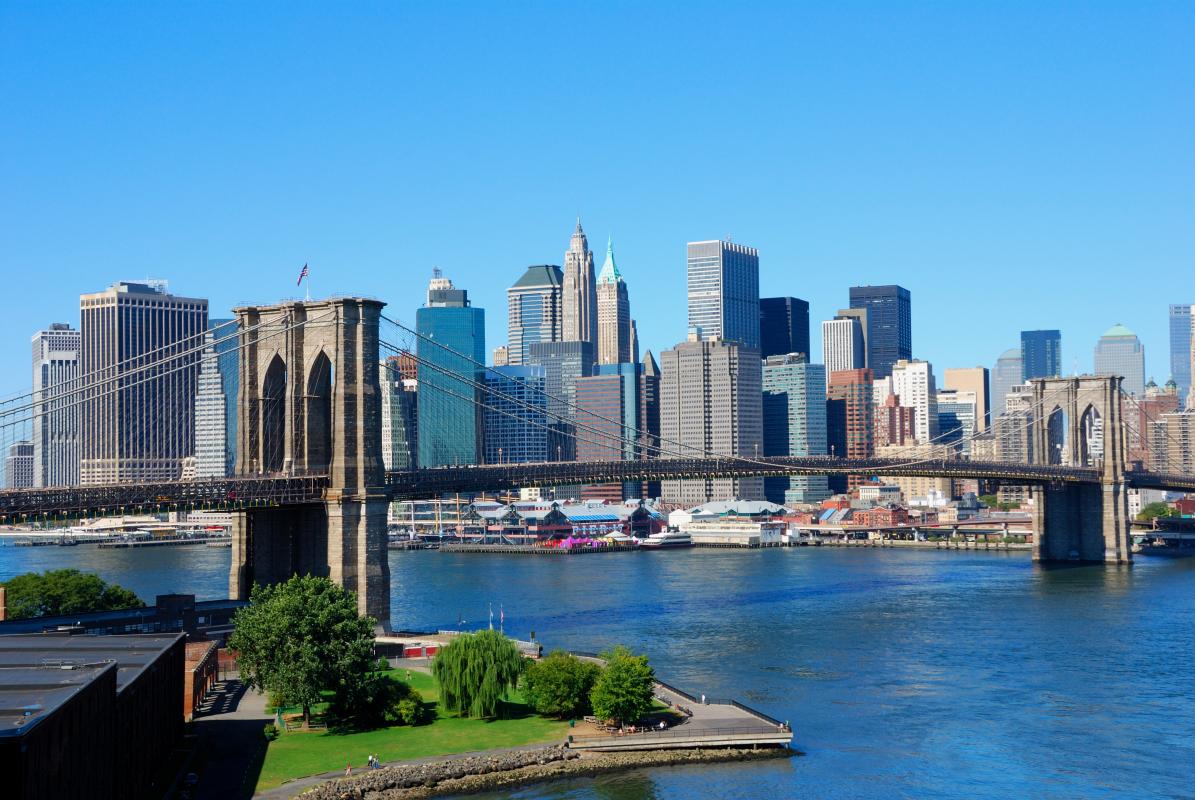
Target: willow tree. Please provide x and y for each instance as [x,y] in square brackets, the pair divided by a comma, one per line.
[475,671]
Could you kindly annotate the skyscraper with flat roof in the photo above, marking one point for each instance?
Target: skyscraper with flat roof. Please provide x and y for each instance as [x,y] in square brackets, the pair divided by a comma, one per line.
[1120,352]
[794,424]
[913,381]
[850,419]
[516,415]
[1181,334]
[563,363]
[724,291]
[1008,372]
[889,325]
[842,345]
[18,466]
[1041,354]
[534,311]
[783,326]
[55,418]
[977,381]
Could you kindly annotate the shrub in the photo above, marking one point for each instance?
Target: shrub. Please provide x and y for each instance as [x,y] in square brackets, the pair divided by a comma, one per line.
[270,731]
[560,684]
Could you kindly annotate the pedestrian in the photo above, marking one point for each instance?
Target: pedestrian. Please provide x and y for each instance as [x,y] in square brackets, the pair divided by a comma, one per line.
[348,770]
[408,676]
[703,699]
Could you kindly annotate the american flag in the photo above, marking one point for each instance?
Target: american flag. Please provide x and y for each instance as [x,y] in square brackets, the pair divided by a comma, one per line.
[302,275]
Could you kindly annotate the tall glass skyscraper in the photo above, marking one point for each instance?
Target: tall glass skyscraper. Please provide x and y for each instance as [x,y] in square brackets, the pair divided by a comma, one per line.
[450,419]
[516,415]
[1041,354]
[783,326]
[563,363]
[794,424]
[1181,332]
[1120,352]
[724,291]
[55,420]
[1007,373]
[534,310]
[889,325]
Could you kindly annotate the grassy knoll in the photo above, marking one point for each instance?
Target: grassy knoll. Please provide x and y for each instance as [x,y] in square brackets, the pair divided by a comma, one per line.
[297,754]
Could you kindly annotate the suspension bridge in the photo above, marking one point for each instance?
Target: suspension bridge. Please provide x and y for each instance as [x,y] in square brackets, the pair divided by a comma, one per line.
[309,492]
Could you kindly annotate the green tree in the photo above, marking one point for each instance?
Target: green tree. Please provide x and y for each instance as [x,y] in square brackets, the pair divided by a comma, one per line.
[379,699]
[64,591]
[475,671]
[1155,510]
[988,500]
[625,688]
[560,684]
[301,638]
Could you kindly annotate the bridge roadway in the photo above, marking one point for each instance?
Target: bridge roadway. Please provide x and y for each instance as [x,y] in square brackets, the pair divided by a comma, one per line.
[236,493]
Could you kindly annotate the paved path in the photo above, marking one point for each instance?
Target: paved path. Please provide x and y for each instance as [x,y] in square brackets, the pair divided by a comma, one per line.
[709,715]
[231,746]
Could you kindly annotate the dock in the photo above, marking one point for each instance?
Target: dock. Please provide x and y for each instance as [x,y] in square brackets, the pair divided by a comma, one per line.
[162,543]
[533,550]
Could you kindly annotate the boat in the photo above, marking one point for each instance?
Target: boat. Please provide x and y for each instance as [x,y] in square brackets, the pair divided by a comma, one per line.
[667,540]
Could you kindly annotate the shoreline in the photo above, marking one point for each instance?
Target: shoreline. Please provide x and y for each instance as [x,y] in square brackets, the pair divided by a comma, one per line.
[519,769]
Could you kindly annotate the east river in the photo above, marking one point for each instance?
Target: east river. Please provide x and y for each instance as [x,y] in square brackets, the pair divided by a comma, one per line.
[905,674]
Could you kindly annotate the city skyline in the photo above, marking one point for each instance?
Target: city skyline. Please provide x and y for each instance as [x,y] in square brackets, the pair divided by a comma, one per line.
[879,186]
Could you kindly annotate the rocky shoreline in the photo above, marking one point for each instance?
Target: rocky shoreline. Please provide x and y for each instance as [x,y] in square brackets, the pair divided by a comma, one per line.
[512,769]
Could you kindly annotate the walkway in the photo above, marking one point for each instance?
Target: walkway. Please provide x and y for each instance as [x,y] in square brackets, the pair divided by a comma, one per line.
[231,746]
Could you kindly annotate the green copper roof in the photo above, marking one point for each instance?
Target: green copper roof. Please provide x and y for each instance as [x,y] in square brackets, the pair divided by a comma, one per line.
[1118,330]
[609,273]
[540,275]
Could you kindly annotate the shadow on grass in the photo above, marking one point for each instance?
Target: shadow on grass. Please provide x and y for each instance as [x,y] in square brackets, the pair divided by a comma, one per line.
[507,710]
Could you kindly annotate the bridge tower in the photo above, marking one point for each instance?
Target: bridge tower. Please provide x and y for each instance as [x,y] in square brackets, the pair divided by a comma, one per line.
[1077,422]
[309,403]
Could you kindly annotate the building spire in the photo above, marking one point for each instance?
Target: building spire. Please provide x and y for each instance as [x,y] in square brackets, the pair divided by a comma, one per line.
[609,273]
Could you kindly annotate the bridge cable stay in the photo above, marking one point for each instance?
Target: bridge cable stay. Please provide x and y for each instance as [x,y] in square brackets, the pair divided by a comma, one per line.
[1146,441]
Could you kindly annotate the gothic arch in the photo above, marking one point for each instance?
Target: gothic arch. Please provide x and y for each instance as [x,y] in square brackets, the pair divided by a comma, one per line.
[1057,434]
[273,415]
[317,414]
[1091,436]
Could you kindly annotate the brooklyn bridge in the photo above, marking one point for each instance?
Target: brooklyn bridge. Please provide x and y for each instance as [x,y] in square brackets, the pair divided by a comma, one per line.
[310,491]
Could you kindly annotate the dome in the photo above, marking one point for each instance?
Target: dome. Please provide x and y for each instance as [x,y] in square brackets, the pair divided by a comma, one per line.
[1172,384]
[1118,330]
[1151,384]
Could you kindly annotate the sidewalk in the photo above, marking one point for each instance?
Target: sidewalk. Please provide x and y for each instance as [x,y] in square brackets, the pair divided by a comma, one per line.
[229,726]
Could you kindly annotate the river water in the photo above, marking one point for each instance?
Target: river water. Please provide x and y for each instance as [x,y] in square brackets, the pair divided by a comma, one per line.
[904,673]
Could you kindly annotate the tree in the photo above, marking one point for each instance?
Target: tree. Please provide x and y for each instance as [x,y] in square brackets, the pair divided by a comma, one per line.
[560,684]
[1155,510]
[377,700]
[988,500]
[625,688]
[475,671]
[301,638]
[64,591]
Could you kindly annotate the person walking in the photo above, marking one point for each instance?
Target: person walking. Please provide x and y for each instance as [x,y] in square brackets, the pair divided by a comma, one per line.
[348,770]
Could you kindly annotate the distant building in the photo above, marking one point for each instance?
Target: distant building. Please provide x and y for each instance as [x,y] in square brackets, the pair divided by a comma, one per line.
[649,419]
[1182,356]
[579,301]
[501,356]
[783,327]
[913,381]
[724,291]
[400,416]
[516,415]
[889,325]
[18,466]
[450,349]
[563,363]
[1172,439]
[794,424]
[614,332]
[710,402]
[919,488]
[895,424]
[1008,372]
[1041,354]
[976,381]
[608,406]
[958,418]
[1150,408]
[1014,438]
[842,345]
[850,419]
[1120,352]
[534,311]
[211,411]
[137,422]
[55,406]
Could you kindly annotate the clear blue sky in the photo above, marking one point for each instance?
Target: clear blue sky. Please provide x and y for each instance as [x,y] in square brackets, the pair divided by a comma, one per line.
[1015,165]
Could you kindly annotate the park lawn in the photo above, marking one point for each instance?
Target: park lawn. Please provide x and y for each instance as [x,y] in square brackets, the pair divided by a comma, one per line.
[298,754]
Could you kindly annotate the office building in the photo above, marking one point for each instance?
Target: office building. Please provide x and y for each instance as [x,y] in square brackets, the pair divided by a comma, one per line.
[534,311]
[1181,356]
[18,465]
[650,445]
[894,423]
[975,380]
[211,410]
[958,418]
[913,382]
[783,327]
[724,291]
[516,415]
[1120,352]
[1041,354]
[55,409]
[400,415]
[450,352]
[850,420]
[579,313]
[1008,372]
[608,405]
[1146,410]
[1014,438]
[614,332]
[889,325]
[711,403]
[501,356]
[1172,441]
[563,363]
[794,424]
[139,359]
[842,345]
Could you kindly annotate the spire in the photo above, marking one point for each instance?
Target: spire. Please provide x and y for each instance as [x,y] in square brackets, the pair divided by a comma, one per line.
[609,273]
[579,224]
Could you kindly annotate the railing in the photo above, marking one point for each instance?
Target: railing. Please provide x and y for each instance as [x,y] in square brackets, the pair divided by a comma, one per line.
[684,732]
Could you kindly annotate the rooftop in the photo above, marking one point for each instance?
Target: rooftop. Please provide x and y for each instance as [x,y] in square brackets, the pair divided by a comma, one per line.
[540,275]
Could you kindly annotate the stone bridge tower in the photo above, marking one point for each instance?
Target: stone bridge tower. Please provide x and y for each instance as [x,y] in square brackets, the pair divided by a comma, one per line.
[1078,422]
[309,403]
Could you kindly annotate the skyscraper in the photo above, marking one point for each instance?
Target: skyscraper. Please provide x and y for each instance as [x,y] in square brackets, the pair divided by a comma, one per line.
[563,363]
[1008,372]
[211,411]
[783,327]
[977,381]
[711,402]
[1120,352]
[400,415]
[453,345]
[516,415]
[850,419]
[579,301]
[533,311]
[842,345]
[608,407]
[889,325]
[913,382]
[794,424]
[55,419]
[724,291]
[649,418]
[958,417]
[139,428]
[613,314]
[1181,334]
[1041,354]
[18,465]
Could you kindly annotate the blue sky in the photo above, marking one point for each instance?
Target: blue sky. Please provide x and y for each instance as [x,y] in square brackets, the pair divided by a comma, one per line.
[1015,165]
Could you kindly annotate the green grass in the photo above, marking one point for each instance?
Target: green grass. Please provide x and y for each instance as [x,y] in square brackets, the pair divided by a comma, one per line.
[298,754]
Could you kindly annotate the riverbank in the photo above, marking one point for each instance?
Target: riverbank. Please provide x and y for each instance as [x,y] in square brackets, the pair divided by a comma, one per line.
[514,769]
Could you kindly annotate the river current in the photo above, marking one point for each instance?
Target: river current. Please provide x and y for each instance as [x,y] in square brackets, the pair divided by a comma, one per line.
[920,674]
